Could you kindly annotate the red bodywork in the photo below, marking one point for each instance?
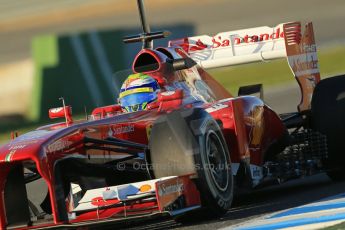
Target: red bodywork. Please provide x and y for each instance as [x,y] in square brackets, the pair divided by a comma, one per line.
[249,128]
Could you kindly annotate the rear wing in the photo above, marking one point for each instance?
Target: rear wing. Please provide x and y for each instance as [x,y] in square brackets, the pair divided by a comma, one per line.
[261,44]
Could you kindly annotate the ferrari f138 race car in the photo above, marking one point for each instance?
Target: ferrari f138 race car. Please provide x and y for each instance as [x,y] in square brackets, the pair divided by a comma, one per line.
[189,147]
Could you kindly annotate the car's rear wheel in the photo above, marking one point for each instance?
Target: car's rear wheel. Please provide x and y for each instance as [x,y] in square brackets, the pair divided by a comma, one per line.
[328,117]
[191,141]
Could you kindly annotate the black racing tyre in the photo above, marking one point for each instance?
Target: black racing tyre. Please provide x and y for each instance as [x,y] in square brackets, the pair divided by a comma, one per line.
[328,117]
[191,141]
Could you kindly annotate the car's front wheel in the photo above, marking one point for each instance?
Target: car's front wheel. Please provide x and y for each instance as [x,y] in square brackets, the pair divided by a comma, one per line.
[215,179]
[191,141]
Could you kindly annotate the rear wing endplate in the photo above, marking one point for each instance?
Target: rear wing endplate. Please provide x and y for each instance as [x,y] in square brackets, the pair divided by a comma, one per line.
[261,44]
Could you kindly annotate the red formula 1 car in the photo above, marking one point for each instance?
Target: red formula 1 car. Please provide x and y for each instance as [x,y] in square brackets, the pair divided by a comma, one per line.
[186,150]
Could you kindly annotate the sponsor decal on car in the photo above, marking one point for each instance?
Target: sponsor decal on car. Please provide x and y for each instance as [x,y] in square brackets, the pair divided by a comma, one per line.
[116,130]
[303,64]
[166,189]
[145,188]
[59,145]
[169,191]
[226,39]
[99,201]
[115,194]
[216,107]
[15,147]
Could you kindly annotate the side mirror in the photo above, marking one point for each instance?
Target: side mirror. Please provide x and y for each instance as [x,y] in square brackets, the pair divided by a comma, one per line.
[61,112]
[167,100]
[170,95]
[106,111]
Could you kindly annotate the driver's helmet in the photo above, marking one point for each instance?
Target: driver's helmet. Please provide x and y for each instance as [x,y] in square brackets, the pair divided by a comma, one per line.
[137,92]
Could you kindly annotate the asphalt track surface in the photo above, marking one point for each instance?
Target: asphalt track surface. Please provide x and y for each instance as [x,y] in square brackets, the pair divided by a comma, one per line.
[258,203]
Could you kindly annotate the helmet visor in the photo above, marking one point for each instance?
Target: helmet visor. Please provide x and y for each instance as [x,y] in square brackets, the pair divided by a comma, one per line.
[138,99]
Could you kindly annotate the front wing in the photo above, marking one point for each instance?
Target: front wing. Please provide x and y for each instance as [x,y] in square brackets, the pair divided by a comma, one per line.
[129,202]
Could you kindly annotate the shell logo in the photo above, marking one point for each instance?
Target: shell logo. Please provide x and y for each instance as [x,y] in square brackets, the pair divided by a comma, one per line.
[145,188]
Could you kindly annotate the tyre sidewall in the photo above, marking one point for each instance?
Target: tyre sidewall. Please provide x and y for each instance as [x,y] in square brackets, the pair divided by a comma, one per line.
[214,198]
[328,111]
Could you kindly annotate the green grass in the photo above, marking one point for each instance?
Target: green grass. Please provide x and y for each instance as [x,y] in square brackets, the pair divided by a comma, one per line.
[332,61]
[340,226]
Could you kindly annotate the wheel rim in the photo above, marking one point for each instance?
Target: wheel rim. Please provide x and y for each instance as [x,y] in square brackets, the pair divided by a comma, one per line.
[217,162]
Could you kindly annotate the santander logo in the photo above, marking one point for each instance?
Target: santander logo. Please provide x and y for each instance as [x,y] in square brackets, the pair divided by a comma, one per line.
[224,40]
